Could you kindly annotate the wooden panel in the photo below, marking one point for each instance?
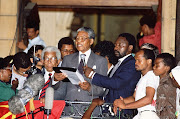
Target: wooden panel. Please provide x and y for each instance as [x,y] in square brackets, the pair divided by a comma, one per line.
[6,46]
[7,27]
[8,7]
[168,26]
[97,2]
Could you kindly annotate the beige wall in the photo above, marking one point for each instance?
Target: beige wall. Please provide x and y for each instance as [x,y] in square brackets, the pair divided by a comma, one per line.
[54,25]
[168,26]
[8,21]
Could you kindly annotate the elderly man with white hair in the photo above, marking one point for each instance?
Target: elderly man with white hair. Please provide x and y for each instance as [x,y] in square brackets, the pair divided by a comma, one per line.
[51,57]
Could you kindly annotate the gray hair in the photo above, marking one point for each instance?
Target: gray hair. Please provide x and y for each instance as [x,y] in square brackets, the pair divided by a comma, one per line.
[89,31]
[51,49]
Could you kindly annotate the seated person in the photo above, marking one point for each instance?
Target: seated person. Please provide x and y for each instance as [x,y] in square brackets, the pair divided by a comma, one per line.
[6,90]
[21,64]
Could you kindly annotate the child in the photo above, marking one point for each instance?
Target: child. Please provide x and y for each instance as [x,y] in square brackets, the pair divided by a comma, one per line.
[175,75]
[6,90]
[166,96]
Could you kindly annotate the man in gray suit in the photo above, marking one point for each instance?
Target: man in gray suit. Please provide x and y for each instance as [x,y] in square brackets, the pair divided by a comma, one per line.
[85,91]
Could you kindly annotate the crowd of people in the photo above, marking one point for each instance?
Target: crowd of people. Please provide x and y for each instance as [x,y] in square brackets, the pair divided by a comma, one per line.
[143,84]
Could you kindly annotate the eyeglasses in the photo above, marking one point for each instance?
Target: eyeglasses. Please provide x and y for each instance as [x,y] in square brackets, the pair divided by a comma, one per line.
[81,38]
[70,51]
[46,59]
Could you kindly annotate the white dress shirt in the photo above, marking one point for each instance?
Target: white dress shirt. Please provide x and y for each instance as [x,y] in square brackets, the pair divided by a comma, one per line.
[36,41]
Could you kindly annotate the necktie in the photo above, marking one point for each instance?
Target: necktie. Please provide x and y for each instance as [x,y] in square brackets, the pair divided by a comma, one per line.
[115,68]
[81,64]
[45,87]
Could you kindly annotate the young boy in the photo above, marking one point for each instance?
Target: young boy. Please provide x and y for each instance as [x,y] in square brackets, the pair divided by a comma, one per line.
[6,90]
[166,92]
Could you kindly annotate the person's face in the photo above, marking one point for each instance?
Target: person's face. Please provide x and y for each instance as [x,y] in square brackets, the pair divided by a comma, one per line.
[32,33]
[141,62]
[50,61]
[160,69]
[66,50]
[6,74]
[22,71]
[121,47]
[83,43]
[144,29]
[38,55]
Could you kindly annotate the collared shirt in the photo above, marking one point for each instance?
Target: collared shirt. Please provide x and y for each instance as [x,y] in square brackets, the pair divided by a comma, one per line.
[46,77]
[123,58]
[36,41]
[109,70]
[87,53]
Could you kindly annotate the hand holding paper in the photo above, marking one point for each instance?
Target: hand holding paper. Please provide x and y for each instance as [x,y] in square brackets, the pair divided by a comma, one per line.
[85,85]
[59,76]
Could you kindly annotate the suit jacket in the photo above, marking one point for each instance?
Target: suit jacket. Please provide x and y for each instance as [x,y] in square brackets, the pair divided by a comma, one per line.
[122,83]
[60,89]
[74,93]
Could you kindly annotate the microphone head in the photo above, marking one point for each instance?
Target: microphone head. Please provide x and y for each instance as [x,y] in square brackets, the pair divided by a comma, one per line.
[35,83]
[30,89]
[49,97]
[17,102]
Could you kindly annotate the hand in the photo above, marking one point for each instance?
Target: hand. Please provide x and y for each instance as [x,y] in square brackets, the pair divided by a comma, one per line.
[85,86]
[21,45]
[87,71]
[42,100]
[119,103]
[97,101]
[59,76]
[15,83]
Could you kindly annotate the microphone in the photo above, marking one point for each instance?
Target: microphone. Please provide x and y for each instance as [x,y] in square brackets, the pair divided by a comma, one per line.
[83,59]
[49,97]
[30,89]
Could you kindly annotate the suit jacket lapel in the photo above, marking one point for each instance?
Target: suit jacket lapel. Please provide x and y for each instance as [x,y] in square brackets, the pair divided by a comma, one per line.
[75,60]
[90,62]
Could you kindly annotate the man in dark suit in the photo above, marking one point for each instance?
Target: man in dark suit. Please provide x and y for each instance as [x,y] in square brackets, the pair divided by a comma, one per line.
[84,91]
[124,77]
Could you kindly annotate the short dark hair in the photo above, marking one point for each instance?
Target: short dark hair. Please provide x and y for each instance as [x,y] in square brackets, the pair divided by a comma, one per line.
[33,25]
[21,60]
[148,20]
[168,59]
[149,54]
[130,38]
[65,40]
[5,62]
[31,50]
[106,48]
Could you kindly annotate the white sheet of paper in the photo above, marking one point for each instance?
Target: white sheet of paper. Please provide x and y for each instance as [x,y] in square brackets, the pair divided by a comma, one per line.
[74,77]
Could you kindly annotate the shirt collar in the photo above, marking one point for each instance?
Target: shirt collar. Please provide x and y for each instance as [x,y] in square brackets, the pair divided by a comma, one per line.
[87,53]
[123,58]
[34,39]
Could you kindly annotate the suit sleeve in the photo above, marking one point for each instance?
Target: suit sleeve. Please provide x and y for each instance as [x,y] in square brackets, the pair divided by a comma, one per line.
[95,89]
[122,77]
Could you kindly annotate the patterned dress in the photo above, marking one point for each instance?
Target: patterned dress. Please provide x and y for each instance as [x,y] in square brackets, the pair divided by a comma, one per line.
[166,99]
